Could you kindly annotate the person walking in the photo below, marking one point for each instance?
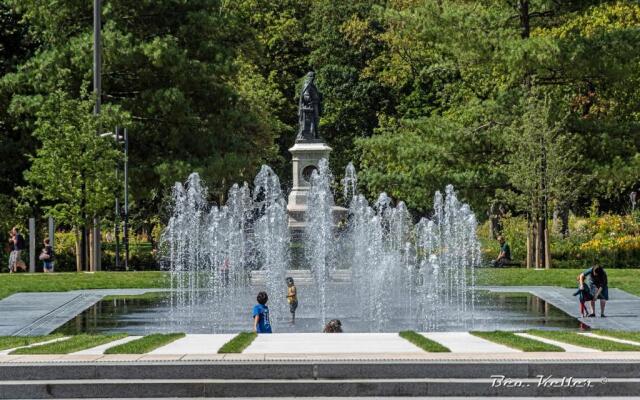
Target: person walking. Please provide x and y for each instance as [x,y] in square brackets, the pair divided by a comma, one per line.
[17,246]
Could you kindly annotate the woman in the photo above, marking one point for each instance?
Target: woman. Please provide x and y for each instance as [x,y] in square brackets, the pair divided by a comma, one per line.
[597,283]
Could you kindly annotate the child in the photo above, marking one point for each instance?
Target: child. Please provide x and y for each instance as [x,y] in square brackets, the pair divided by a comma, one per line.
[47,256]
[261,321]
[584,295]
[292,298]
[333,326]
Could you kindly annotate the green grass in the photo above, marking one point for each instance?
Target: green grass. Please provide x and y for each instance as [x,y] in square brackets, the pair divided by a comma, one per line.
[144,296]
[64,281]
[584,341]
[240,342]
[71,345]
[145,344]
[424,343]
[9,342]
[625,279]
[514,341]
[633,336]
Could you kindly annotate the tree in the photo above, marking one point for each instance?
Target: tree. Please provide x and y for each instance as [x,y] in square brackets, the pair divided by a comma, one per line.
[15,47]
[173,67]
[72,173]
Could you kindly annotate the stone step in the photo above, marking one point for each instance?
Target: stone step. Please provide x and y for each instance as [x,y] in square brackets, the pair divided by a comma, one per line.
[291,370]
[172,388]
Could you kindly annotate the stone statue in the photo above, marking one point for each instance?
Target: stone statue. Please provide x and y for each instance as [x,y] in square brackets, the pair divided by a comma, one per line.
[309,111]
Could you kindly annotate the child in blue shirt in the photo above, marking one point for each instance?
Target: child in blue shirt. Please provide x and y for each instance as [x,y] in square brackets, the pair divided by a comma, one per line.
[261,321]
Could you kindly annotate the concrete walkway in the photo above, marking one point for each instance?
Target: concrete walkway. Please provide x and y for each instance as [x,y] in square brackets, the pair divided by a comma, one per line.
[464,342]
[40,313]
[314,343]
[623,309]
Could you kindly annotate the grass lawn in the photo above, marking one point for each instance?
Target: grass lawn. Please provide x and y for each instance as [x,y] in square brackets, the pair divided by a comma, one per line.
[71,345]
[144,296]
[633,336]
[422,342]
[64,281]
[10,342]
[514,341]
[238,343]
[625,279]
[145,344]
[584,341]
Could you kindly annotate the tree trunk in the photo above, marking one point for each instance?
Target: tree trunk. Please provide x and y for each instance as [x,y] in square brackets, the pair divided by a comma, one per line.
[525,24]
[547,250]
[78,249]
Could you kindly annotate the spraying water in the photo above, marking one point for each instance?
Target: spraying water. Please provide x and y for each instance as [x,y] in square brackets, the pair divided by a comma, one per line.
[373,267]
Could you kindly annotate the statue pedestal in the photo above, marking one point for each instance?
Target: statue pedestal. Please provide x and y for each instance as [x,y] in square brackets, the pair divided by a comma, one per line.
[306,156]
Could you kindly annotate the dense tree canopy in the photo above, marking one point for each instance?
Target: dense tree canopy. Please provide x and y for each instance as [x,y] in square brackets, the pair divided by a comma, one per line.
[489,95]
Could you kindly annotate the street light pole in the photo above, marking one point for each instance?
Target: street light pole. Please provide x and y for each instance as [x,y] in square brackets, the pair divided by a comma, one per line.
[116,221]
[126,199]
[97,87]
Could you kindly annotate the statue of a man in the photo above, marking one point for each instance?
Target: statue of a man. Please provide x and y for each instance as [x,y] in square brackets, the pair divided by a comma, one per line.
[309,110]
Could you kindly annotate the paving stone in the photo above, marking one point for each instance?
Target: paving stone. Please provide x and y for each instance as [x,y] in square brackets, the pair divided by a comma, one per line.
[464,342]
[331,343]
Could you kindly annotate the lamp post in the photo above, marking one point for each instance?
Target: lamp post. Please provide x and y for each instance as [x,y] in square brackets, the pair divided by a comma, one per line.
[121,135]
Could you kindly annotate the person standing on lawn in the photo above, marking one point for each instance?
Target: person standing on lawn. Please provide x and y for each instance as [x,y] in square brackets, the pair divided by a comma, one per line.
[595,279]
[47,257]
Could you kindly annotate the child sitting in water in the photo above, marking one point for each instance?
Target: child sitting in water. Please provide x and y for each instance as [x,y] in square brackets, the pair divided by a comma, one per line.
[261,321]
[292,298]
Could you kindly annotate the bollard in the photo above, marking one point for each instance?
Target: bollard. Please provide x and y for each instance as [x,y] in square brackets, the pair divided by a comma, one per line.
[32,245]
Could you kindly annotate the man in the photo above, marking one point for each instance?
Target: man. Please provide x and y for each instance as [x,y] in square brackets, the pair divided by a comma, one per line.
[504,257]
[17,245]
[597,283]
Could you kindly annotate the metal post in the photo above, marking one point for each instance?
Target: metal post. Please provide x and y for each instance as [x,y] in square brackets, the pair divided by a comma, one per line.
[116,220]
[126,200]
[52,232]
[97,87]
[32,245]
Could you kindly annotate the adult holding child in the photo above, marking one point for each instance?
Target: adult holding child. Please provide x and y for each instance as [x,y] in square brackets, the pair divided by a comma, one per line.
[596,282]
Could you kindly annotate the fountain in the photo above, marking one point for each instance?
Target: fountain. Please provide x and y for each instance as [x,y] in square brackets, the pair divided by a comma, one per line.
[368,265]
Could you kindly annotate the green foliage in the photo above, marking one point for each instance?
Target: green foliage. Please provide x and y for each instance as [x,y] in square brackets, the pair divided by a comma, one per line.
[514,341]
[609,240]
[240,342]
[145,344]
[71,345]
[72,171]
[423,343]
